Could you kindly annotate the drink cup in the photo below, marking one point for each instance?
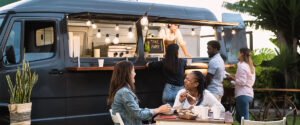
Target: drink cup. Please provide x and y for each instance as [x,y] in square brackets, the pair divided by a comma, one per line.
[216,112]
[100,62]
[196,110]
[204,112]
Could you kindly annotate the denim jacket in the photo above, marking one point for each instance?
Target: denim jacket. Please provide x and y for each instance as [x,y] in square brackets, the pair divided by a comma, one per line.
[126,103]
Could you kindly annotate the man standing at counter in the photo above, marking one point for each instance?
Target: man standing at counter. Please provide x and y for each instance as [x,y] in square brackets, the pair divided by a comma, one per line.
[215,71]
[172,35]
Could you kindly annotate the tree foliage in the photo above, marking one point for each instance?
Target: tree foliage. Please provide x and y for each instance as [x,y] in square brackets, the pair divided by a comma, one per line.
[280,16]
[5,2]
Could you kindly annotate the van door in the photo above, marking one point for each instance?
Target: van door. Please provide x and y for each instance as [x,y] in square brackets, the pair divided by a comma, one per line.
[37,39]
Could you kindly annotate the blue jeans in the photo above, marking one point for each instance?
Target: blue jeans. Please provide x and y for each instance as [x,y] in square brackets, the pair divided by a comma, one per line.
[170,92]
[242,107]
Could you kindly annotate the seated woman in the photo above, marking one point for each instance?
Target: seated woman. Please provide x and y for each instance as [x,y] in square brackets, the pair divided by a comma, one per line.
[122,96]
[194,93]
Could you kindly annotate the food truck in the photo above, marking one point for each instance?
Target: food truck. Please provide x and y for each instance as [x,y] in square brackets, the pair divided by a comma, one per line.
[73,46]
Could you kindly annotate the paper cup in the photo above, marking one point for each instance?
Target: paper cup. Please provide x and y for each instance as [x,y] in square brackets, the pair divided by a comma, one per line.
[216,112]
[97,53]
[100,62]
[196,110]
[189,62]
[204,112]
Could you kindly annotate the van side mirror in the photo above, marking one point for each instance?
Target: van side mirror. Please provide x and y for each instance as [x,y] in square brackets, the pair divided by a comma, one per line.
[10,54]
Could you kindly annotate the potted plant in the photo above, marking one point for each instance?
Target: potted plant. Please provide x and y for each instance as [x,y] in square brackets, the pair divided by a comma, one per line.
[20,93]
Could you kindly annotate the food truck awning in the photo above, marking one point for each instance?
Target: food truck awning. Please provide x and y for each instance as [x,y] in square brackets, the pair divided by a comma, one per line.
[118,10]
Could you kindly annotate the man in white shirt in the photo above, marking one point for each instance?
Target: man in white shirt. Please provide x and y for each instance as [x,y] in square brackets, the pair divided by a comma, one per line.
[172,35]
[216,70]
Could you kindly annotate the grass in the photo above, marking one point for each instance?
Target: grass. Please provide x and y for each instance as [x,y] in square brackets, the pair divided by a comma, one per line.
[289,120]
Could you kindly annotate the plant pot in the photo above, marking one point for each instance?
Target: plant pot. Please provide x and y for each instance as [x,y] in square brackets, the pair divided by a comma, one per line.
[20,114]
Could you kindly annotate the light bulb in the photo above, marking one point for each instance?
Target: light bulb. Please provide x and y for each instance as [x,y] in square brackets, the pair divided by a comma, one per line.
[130,33]
[99,33]
[116,39]
[223,34]
[107,39]
[193,32]
[88,23]
[117,27]
[144,20]
[233,32]
[94,26]
[145,28]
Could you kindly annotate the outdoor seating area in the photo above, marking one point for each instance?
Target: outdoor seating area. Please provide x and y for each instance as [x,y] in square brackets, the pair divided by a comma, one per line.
[149,62]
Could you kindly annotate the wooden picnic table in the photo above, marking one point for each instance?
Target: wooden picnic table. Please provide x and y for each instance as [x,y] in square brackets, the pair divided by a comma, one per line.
[226,119]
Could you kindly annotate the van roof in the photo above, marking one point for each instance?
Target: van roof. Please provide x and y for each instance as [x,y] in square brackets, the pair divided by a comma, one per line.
[110,7]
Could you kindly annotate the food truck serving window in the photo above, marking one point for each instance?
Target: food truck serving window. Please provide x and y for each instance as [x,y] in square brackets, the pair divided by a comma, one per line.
[101,38]
[193,37]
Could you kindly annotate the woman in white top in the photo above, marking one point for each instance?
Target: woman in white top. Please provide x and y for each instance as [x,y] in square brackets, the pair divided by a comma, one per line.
[172,35]
[194,93]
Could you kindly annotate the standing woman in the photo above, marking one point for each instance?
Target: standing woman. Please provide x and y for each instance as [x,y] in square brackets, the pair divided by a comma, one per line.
[122,96]
[172,69]
[244,80]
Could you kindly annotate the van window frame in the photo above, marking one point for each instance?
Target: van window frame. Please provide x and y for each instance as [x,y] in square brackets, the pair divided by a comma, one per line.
[13,19]
[56,29]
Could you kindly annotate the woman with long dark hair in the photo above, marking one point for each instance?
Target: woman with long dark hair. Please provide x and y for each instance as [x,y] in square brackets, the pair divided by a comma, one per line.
[122,97]
[172,69]
[244,81]
[195,93]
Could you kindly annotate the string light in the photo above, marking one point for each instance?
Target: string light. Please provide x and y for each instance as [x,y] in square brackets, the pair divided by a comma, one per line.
[99,33]
[193,32]
[116,39]
[144,21]
[223,34]
[107,39]
[130,33]
[233,31]
[145,28]
[94,26]
[88,23]
[117,27]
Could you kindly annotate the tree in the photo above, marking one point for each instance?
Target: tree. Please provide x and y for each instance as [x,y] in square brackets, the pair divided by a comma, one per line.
[5,2]
[280,16]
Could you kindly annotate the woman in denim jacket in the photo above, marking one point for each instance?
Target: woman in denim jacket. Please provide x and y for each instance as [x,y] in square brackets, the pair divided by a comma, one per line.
[122,96]
[172,69]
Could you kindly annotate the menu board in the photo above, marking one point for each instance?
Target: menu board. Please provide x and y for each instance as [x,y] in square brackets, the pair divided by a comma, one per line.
[156,45]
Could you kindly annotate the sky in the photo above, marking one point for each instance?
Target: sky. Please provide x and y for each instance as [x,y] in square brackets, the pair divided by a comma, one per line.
[260,37]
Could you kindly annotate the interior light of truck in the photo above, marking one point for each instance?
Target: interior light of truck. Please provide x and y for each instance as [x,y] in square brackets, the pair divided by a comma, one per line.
[94,26]
[233,32]
[88,23]
[116,39]
[107,39]
[117,27]
[99,33]
[145,28]
[130,33]
[144,21]
[223,34]
[193,32]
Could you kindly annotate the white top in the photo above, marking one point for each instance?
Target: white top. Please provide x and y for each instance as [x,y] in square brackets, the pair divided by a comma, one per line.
[209,100]
[167,35]
[216,67]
